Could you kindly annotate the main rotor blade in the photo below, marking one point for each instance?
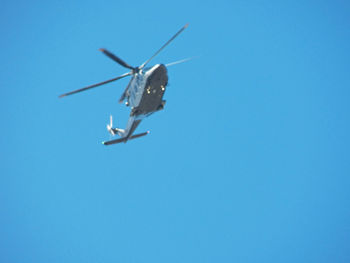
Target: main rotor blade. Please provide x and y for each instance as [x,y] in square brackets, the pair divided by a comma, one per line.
[116,59]
[167,43]
[179,61]
[95,85]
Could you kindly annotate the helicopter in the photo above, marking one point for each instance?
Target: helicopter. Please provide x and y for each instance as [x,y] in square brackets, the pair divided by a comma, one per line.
[143,94]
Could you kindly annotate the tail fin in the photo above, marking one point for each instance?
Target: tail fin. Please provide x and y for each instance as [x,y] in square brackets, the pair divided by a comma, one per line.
[125,139]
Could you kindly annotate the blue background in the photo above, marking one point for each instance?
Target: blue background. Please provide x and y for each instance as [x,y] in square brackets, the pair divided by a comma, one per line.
[249,161]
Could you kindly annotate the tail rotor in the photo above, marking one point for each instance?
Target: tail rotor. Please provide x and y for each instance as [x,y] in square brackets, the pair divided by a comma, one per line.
[110,126]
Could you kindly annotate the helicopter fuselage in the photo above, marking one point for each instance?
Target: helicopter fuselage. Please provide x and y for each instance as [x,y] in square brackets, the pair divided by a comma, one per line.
[145,95]
[146,91]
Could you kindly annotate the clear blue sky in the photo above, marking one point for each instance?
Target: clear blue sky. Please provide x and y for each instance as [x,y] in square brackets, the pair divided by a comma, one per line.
[249,161]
